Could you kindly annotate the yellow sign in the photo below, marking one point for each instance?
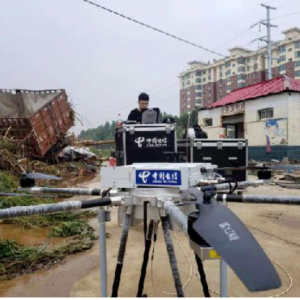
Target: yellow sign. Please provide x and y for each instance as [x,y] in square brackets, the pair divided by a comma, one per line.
[214,254]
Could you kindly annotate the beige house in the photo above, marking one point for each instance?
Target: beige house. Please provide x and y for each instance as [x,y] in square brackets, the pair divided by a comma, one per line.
[267,114]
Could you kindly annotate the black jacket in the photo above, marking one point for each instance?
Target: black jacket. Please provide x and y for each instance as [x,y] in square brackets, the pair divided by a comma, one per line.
[135,115]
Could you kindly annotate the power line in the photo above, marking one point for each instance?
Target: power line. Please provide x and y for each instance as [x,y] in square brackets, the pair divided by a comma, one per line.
[287,15]
[154,28]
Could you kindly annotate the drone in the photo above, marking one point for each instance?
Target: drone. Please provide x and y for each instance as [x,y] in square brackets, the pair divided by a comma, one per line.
[190,197]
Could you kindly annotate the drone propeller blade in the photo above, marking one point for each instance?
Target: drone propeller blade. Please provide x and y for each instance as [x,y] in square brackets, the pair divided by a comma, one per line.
[243,168]
[271,167]
[41,176]
[285,167]
[225,232]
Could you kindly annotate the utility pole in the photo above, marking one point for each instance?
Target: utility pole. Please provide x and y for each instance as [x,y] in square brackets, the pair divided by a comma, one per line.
[269,25]
[267,39]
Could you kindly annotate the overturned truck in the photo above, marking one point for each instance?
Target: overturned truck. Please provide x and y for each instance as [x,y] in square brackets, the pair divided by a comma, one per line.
[39,119]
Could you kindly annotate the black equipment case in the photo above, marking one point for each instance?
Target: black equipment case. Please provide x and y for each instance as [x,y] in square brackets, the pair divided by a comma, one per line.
[222,152]
[139,143]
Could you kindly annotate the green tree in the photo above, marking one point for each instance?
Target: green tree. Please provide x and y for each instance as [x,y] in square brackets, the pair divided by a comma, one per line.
[107,131]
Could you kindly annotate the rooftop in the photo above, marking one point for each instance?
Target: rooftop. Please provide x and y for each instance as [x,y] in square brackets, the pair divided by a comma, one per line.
[261,89]
[291,29]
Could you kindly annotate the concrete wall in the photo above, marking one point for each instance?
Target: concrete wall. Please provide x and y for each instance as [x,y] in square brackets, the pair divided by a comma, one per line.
[212,131]
[255,130]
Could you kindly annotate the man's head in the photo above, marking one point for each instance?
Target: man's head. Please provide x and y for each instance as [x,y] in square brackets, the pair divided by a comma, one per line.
[143,101]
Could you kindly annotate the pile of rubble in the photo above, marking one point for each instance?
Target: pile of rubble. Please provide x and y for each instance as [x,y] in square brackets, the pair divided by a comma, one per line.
[74,164]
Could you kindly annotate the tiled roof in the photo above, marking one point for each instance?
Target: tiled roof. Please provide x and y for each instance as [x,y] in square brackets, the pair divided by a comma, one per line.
[264,88]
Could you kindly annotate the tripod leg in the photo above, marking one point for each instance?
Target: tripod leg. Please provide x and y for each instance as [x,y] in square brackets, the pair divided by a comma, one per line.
[146,259]
[172,257]
[121,254]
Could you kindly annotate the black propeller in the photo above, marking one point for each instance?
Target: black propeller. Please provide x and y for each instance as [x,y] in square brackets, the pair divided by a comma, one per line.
[225,232]
[40,176]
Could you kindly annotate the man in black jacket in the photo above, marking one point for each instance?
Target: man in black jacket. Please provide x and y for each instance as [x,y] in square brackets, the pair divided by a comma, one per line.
[136,114]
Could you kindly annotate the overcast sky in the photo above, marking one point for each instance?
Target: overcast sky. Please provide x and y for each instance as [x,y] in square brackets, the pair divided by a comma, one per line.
[104,61]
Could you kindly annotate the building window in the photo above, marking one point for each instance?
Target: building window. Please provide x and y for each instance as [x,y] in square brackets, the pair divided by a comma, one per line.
[281,58]
[241,84]
[297,44]
[233,65]
[228,87]
[228,72]
[208,122]
[248,68]
[199,87]
[241,61]
[281,68]
[255,75]
[204,72]
[209,71]
[297,64]
[227,64]
[266,113]
[241,77]
[241,69]
[220,74]
[229,80]
[198,94]
[198,80]
[290,49]
[188,82]
[204,79]
[255,66]
[281,49]
[198,73]
[209,77]
[297,73]
[297,54]
[290,59]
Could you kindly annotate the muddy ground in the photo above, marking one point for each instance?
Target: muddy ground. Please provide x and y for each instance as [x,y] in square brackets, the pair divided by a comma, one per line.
[276,227]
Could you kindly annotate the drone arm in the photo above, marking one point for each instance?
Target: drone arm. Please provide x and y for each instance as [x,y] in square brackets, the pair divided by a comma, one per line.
[226,186]
[292,200]
[66,191]
[44,209]
[176,214]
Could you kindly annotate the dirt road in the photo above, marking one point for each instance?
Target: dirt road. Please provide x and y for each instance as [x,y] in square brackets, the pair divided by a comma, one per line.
[78,275]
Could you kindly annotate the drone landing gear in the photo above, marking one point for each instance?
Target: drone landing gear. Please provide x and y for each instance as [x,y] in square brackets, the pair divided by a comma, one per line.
[146,258]
[121,254]
[172,257]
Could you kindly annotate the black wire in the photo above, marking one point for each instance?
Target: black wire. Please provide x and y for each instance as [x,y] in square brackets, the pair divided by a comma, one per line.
[154,28]
[145,220]
[202,276]
[145,259]
[104,193]
[235,187]
[164,32]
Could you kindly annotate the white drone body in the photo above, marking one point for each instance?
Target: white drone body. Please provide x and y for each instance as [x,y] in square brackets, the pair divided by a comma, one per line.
[154,182]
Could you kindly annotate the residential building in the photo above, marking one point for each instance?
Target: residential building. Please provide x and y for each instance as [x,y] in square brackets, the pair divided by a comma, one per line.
[267,114]
[205,83]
